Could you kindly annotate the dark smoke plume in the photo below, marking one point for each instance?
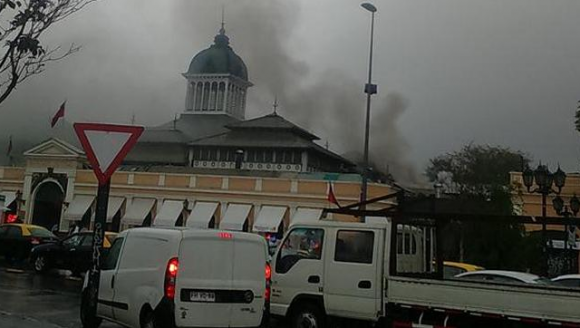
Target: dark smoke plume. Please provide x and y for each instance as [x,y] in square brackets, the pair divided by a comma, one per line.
[333,106]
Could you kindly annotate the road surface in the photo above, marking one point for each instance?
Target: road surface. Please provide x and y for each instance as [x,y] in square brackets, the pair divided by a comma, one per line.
[28,300]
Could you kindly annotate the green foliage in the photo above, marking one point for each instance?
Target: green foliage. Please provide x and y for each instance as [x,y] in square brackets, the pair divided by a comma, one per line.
[477,169]
[482,172]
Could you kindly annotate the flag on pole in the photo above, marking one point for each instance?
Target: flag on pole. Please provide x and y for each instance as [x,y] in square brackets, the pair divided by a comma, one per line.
[59,114]
[330,195]
[9,150]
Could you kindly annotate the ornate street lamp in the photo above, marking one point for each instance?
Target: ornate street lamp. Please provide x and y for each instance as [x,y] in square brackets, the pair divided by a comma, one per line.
[544,180]
[570,233]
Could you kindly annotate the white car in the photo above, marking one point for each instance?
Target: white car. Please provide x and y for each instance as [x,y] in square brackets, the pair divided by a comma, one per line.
[502,277]
[569,280]
[176,277]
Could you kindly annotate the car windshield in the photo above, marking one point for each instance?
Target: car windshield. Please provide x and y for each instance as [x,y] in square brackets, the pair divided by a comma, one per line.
[40,232]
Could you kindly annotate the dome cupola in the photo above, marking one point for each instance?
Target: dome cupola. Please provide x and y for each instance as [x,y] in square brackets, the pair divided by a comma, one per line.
[217,80]
[220,58]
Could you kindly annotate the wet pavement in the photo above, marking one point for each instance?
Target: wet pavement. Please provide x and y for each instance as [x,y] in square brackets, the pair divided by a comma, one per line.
[28,300]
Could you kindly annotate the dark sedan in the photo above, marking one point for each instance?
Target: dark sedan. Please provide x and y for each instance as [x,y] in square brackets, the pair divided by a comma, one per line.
[16,240]
[72,253]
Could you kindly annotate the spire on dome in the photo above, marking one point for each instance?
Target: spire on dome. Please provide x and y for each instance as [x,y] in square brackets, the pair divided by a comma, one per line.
[222,40]
[223,29]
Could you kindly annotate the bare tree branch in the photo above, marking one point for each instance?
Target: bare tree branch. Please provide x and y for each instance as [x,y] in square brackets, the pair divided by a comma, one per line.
[22,24]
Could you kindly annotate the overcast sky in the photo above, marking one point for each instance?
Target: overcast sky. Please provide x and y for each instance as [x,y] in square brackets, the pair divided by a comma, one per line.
[499,72]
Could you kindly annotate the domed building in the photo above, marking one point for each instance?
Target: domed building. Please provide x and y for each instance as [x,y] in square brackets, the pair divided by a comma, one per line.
[212,133]
[208,168]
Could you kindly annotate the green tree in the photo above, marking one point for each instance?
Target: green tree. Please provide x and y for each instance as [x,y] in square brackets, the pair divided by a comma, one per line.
[22,24]
[482,172]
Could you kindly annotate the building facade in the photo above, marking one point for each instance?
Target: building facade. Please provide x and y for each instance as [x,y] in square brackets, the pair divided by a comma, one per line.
[208,168]
[56,188]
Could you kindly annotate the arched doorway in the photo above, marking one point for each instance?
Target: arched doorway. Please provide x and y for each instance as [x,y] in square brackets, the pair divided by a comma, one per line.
[47,205]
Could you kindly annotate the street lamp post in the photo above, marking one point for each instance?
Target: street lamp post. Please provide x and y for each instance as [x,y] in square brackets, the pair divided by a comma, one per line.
[568,211]
[370,89]
[544,180]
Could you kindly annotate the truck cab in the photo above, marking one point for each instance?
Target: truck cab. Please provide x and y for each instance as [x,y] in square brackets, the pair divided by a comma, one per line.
[330,268]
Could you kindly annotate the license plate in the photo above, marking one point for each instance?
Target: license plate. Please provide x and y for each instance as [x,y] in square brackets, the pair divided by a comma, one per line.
[202,297]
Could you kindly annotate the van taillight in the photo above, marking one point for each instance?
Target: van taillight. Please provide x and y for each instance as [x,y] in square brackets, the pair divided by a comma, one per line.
[171,278]
[225,235]
[268,281]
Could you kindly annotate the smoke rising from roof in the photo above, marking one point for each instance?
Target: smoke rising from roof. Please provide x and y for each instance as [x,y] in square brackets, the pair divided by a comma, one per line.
[118,74]
[333,106]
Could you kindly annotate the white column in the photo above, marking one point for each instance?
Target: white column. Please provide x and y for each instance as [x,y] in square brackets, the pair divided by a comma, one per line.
[202,96]
[226,95]
[212,97]
[189,97]
[243,108]
[235,102]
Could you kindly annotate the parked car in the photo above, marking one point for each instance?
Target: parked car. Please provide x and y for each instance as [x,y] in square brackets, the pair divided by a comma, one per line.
[503,277]
[569,280]
[176,277]
[16,240]
[452,269]
[72,253]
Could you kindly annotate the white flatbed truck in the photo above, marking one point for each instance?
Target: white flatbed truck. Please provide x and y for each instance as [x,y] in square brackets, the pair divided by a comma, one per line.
[371,272]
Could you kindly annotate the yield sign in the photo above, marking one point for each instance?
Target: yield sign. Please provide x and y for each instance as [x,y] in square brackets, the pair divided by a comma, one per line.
[106,145]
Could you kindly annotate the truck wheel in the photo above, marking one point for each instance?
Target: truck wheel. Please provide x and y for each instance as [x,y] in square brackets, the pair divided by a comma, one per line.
[308,316]
[88,311]
[41,264]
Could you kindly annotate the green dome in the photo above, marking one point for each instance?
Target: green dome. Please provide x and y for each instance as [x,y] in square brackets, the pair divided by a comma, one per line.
[219,59]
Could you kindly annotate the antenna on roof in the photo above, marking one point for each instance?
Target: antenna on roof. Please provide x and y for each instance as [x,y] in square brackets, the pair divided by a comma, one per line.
[223,29]
[275,105]
[133,119]
[175,122]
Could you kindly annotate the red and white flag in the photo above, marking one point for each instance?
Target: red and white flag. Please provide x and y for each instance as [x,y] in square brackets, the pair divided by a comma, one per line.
[330,195]
[59,114]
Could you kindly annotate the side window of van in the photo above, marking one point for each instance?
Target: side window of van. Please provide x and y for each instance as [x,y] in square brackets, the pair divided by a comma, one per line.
[112,258]
[300,244]
[354,246]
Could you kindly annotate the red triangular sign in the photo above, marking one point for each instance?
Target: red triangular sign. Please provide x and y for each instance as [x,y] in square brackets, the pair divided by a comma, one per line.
[106,145]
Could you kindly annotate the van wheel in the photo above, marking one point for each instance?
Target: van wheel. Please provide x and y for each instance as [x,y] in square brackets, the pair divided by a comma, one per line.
[88,312]
[41,264]
[148,320]
[308,316]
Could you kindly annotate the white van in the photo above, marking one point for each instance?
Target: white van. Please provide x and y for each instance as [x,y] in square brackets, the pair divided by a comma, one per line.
[176,277]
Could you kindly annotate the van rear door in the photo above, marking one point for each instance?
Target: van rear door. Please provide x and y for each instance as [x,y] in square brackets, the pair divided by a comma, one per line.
[204,279]
[249,278]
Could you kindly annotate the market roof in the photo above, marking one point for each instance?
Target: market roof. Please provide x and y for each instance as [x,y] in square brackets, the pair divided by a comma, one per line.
[163,136]
[187,128]
[270,122]
[267,139]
